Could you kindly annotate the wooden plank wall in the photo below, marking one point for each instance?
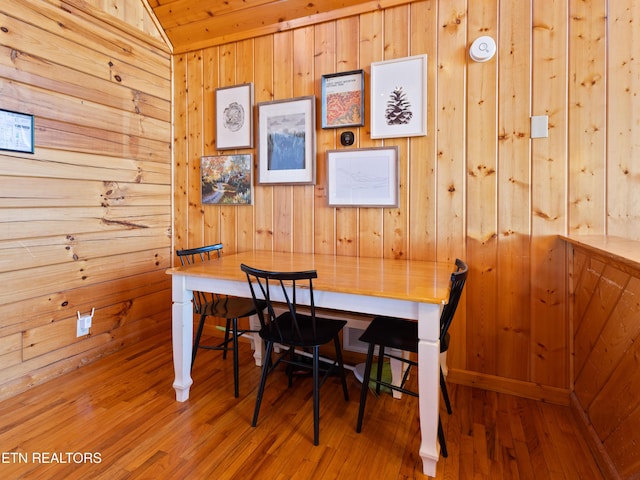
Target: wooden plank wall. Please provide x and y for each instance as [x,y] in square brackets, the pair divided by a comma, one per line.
[606,332]
[476,186]
[86,220]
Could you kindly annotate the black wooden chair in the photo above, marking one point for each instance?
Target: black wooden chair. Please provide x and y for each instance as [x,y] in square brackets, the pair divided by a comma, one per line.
[222,306]
[295,331]
[400,334]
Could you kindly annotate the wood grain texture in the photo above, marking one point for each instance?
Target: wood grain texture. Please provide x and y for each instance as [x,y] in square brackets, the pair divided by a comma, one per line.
[607,382]
[623,173]
[139,429]
[587,117]
[471,188]
[190,26]
[476,187]
[88,215]
[482,197]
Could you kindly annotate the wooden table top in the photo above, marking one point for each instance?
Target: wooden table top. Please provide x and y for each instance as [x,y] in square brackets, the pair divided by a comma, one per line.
[421,281]
[616,248]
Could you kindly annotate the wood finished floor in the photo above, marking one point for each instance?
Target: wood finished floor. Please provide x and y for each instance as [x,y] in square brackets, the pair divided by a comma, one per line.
[122,409]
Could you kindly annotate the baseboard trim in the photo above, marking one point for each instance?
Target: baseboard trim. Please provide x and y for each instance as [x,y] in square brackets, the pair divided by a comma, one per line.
[590,436]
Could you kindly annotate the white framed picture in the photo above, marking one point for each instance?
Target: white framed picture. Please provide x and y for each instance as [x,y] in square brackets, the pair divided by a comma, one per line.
[234,117]
[287,141]
[363,177]
[399,97]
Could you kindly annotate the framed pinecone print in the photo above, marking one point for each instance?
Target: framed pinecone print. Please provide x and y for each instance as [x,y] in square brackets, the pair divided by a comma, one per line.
[399,97]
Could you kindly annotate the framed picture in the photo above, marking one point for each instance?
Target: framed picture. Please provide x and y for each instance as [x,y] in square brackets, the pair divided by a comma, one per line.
[16,131]
[399,97]
[226,179]
[363,177]
[287,141]
[234,117]
[343,99]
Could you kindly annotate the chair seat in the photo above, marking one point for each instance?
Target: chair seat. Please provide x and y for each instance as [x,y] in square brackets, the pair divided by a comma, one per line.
[230,307]
[293,329]
[392,332]
[326,330]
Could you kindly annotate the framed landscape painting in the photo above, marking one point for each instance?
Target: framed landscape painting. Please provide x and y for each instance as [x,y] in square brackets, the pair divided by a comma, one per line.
[287,141]
[226,179]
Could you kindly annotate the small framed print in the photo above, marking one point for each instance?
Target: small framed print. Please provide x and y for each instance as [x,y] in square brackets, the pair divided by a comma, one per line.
[226,179]
[234,117]
[343,99]
[399,97]
[287,141]
[363,177]
[16,131]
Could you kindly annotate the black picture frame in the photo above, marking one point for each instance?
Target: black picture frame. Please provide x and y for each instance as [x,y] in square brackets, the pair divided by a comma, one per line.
[16,131]
[343,99]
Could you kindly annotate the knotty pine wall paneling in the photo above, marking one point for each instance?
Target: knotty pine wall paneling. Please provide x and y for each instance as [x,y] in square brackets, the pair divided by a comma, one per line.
[134,13]
[549,215]
[606,330]
[513,349]
[587,117]
[449,81]
[476,187]
[86,220]
[623,85]
[482,194]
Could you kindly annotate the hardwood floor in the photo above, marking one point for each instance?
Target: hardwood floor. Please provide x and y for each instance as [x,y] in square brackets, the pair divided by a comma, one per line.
[118,419]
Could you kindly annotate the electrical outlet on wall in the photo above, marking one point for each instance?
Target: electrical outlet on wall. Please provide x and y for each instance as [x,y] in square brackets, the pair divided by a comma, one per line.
[84,324]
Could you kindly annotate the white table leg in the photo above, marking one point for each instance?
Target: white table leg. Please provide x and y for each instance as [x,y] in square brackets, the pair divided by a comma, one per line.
[182,336]
[429,384]
[397,371]
[256,342]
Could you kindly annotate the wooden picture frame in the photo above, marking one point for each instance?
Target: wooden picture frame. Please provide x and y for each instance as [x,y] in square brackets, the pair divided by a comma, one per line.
[226,179]
[287,141]
[343,99]
[16,131]
[363,177]
[399,97]
[234,117]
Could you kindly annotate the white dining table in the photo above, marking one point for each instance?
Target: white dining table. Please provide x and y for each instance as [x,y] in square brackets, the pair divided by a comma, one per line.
[410,289]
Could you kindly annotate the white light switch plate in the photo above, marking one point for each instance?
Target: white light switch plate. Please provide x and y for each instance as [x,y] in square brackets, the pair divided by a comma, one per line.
[540,126]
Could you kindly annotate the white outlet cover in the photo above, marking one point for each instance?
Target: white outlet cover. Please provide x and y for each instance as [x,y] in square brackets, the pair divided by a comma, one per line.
[83,326]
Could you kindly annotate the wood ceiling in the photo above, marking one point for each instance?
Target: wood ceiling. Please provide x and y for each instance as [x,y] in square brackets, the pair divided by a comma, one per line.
[194,24]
